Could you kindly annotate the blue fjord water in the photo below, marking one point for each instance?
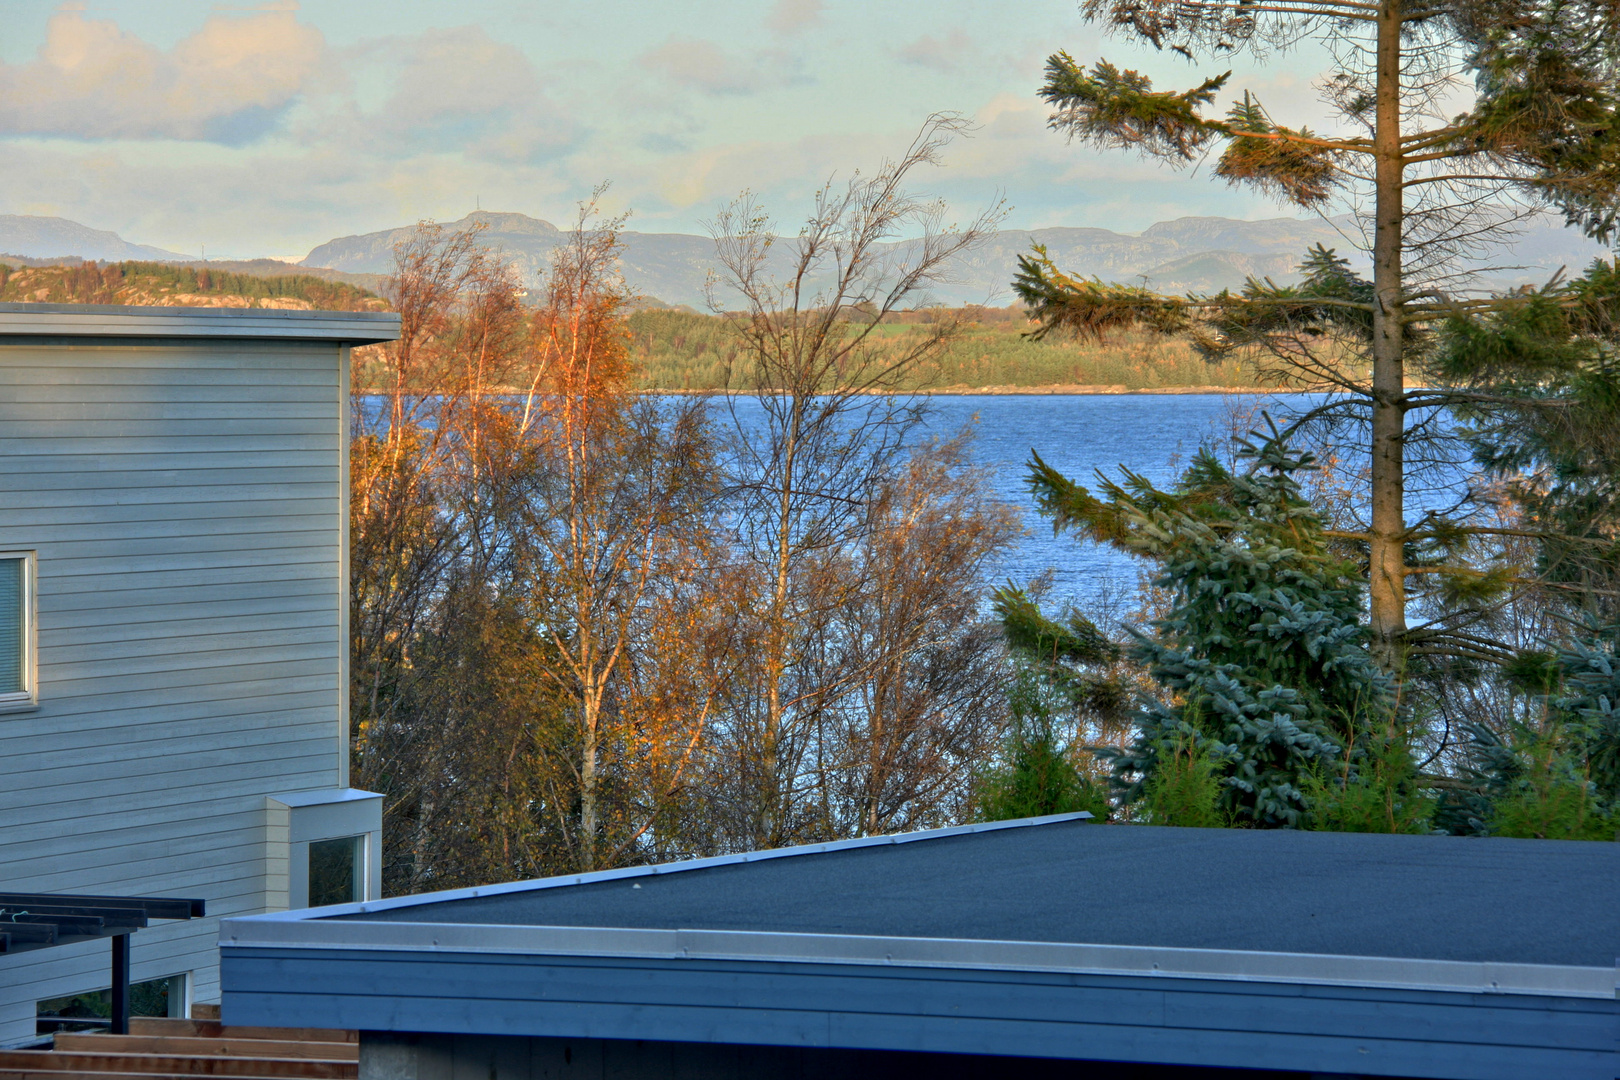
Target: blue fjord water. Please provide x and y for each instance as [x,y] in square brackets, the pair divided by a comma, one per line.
[1151,434]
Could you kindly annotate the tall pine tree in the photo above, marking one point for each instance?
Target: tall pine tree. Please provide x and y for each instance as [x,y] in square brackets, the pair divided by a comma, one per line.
[1428,187]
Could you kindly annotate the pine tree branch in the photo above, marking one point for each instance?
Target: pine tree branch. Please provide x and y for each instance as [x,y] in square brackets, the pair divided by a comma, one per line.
[1446,178]
[1422,140]
[1499,178]
[1420,313]
[1430,398]
[1472,530]
[1311,376]
[1120,109]
[1353,146]
[1239,9]
[1342,11]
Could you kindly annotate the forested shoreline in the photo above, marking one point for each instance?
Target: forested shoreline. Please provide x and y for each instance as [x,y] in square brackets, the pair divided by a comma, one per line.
[149,284]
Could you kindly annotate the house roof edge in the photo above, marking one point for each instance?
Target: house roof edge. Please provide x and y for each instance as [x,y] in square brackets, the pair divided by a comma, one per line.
[111,321]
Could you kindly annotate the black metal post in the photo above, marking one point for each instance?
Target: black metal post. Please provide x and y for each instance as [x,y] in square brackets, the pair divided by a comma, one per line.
[120,984]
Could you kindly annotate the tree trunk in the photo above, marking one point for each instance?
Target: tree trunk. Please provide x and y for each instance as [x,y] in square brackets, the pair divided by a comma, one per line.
[768,829]
[588,825]
[1387,579]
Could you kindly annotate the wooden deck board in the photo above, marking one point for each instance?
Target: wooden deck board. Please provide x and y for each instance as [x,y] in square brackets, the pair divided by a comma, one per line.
[213,1029]
[231,1045]
[60,1062]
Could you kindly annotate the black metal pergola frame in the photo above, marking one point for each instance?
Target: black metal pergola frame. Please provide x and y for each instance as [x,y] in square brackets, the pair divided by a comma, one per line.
[31,921]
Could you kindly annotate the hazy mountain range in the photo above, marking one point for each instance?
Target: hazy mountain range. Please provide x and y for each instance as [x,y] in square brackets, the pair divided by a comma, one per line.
[54,237]
[1188,254]
[1192,253]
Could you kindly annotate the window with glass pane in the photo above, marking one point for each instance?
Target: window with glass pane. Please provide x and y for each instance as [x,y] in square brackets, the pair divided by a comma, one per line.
[89,1011]
[337,871]
[13,627]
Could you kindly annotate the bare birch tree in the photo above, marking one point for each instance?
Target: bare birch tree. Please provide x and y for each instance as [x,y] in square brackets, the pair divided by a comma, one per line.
[908,744]
[828,432]
[415,522]
[612,487]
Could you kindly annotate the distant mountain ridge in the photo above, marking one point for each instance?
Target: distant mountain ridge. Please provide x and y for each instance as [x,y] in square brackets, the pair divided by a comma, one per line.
[54,237]
[1189,254]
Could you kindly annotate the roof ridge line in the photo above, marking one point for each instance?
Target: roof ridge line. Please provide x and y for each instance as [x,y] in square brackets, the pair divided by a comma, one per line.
[656,869]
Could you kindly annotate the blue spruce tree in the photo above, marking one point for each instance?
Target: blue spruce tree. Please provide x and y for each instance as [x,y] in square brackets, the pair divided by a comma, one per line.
[1267,683]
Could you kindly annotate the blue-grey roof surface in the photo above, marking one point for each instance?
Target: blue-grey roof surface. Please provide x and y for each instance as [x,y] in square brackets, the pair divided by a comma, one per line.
[1411,897]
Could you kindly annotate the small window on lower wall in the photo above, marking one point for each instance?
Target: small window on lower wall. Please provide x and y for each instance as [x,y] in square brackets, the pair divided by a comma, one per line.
[16,629]
[92,1011]
[337,871]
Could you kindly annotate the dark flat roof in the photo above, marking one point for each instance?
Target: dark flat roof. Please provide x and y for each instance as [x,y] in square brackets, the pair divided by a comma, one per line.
[1410,897]
[1323,953]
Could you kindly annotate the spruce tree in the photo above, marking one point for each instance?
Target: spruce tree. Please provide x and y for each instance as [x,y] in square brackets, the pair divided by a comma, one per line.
[1429,189]
[1264,676]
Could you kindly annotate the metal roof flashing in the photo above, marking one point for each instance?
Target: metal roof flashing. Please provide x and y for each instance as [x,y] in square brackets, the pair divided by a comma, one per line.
[110,321]
[334,911]
[1221,965]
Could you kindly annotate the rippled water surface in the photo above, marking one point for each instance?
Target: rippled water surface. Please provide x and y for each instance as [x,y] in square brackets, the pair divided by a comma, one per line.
[1152,434]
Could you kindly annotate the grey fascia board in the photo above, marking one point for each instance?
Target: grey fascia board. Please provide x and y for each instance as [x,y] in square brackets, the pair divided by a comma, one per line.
[629,872]
[937,953]
[102,320]
[325,797]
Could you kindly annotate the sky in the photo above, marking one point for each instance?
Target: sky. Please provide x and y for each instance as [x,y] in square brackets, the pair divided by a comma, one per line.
[250,130]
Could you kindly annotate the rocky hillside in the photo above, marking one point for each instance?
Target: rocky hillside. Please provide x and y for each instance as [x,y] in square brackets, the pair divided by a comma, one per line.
[1190,254]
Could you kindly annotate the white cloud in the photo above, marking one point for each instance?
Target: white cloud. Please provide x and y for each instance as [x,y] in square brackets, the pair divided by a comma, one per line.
[275,202]
[300,140]
[459,90]
[702,65]
[947,54]
[225,83]
[793,16]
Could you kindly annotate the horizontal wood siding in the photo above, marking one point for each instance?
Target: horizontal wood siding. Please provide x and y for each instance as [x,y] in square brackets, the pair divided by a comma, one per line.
[1166,1020]
[186,503]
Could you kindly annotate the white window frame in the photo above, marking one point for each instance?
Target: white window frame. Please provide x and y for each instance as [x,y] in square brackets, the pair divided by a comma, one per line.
[28,696]
[325,814]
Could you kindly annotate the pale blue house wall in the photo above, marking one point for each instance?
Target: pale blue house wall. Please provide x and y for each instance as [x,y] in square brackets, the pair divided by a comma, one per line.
[182,477]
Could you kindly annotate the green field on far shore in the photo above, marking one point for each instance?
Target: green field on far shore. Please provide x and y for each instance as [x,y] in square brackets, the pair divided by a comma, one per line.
[685,351]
